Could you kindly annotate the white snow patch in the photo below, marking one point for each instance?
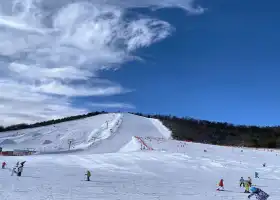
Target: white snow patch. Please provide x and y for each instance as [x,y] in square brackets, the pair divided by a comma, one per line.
[133,145]
[161,128]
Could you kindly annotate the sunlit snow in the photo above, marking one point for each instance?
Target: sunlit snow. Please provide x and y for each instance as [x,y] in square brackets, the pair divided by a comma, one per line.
[121,170]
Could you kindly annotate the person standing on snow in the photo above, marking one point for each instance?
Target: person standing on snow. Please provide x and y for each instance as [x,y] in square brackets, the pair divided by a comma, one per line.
[20,168]
[250,181]
[4,165]
[221,185]
[256,175]
[260,195]
[241,182]
[247,187]
[88,174]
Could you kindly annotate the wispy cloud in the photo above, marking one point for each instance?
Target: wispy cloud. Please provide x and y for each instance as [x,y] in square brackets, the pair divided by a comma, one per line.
[52,51]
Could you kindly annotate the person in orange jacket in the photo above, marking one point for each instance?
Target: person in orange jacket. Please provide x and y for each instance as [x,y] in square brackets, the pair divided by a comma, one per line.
[221,185]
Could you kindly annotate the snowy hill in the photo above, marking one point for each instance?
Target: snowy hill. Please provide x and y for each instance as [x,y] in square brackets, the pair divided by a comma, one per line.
[105,133]
[130,157]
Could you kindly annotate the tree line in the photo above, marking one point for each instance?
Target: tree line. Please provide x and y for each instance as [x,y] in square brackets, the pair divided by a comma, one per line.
[204,131]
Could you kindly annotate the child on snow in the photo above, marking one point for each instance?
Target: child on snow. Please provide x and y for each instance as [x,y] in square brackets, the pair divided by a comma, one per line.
[242,182]
[221,185]
[260,195]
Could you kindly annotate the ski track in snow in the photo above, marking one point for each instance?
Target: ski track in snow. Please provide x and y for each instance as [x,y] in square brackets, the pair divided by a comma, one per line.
[120,170]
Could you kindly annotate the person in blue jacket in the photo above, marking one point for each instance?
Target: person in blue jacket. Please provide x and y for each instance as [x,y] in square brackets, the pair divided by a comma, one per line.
[260,195]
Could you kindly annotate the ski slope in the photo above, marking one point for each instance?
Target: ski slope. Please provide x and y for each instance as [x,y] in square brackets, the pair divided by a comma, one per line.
[105,133]
[109,146]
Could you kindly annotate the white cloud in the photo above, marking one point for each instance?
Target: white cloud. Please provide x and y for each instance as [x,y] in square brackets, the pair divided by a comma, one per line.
[52,51]
[112,105]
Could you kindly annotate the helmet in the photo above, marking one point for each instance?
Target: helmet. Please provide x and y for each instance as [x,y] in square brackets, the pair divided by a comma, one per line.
[253,189]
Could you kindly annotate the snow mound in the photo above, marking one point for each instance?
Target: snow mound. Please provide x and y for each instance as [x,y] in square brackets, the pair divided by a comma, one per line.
[133,145]
[8,142]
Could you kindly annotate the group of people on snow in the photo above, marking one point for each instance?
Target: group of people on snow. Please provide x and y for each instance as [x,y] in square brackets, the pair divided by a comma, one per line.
[249,188]
[17,169]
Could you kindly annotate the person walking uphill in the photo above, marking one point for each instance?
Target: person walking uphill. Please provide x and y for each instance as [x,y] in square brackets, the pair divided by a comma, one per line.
[260,195]
[88,174]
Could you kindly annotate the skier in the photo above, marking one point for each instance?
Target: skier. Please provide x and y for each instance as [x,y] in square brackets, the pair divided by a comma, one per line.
[4,165]
[257,175]
[264,164]
[221,185]
[247,187]
[20,168]
[88,174]
[250,181]
[260,195]
[241,182]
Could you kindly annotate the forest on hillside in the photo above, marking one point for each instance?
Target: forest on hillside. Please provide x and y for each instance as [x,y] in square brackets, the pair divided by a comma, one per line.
[203,131]
[194,130]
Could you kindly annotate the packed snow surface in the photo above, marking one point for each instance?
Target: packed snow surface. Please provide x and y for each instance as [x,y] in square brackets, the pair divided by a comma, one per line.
[109,146]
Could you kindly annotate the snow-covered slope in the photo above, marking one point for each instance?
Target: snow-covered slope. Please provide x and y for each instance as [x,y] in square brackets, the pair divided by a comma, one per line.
[106,133]
[142,175]
[56,137]
[169,170]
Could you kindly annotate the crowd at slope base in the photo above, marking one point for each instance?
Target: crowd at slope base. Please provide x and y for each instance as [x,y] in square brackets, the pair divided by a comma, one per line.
[17,169]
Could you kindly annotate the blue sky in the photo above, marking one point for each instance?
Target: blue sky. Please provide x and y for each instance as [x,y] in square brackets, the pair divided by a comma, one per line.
[214,60]
[222,65]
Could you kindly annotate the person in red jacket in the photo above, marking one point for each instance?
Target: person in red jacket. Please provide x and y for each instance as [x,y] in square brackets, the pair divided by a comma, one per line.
[221,185]
[4,165]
